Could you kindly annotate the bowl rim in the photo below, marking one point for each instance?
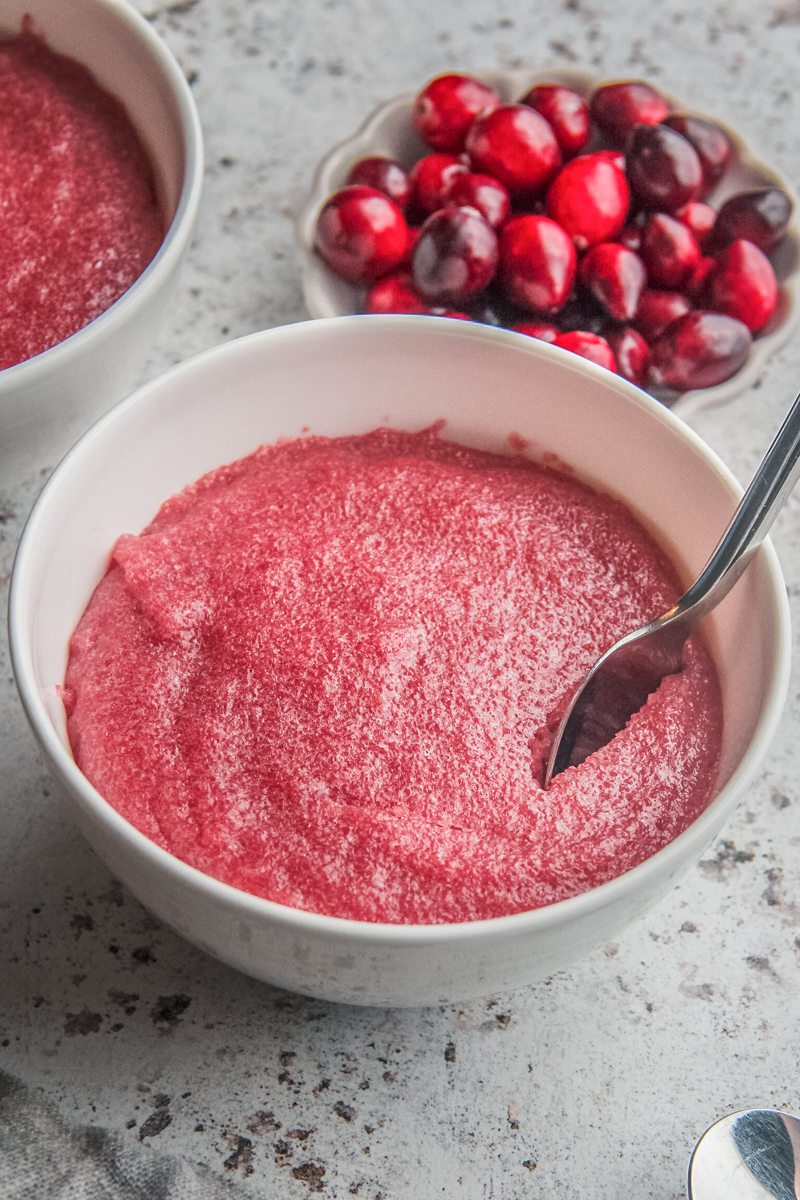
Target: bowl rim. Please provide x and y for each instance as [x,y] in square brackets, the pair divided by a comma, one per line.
[516,81]
[699,832]
[173,243]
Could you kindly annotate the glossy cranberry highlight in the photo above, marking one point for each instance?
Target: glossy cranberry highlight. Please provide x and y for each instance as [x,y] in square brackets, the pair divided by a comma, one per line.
[361,234]
[446,107]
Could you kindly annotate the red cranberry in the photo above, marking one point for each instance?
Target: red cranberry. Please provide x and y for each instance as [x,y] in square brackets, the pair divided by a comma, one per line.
[760,216]
[385,175]
[699,217]
[617,107]
[711,143]
[615,157]
[742,284]
[455,257]
[565,111]
[588,345]
[394,294]
[483,192]
[361,234]
[631,352]
[615,276]
[446,107]
[589,198]
[657,310]
[428,178]
[669,250]
[699,350]
[516,145]
[663,167]
[537,263]
[537,329]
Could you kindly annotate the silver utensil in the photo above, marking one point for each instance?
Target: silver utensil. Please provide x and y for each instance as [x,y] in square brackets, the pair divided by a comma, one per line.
[626,674]
[751,1155]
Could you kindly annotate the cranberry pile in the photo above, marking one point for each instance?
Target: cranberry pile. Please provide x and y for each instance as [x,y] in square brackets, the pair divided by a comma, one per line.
[586,223]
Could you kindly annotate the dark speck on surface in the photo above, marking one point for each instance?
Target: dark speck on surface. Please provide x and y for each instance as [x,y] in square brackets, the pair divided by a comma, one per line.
[143,954]
[167,1009]
[155,1124]
[345,1111]
[450,1052]
[241,1158]
[310,1173]
[83,1022]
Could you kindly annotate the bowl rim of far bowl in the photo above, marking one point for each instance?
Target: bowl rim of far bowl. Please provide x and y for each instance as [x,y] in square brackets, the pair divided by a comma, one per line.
[177,232]
[701,830]
[517,82]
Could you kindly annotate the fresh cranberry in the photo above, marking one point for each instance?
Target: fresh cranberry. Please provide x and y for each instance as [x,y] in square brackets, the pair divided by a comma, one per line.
[669,250]
[455,257]
[699,217]
[589,198]
[761,216]
[615,157]
[394,294]
[361,234]
[516,145]
[446,107]
[617,107]
[588,345]
[631,352]
[384,174]
[428,178]
[699,350]
[537,329]
[742,284]
[483,192]
[657,310]
[537,263]
[663,167]
[565,111]
[711,143]
[615,276]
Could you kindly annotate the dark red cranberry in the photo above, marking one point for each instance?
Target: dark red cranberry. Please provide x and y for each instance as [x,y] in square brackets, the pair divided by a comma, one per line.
[711,143]
[589,198]
[699,217]
[657,310]
[669,250]
[537,329]
[455,257]
[631,352]
[385,175]
[361,234]
[394,294]
[699,350]
[428,178]
[446,107]
[663,168]
[761,216]
[516,145]
[742,284]
[588,345]
[565,111]
[615,276]
[617,107]
[483,192]
[537,263]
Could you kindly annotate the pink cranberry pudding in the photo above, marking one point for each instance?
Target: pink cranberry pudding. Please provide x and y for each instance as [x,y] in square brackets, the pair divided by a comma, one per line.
[329,674]
[80,216]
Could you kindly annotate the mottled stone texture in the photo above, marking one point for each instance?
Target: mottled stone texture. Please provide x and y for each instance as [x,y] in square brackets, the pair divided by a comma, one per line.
[595,1083]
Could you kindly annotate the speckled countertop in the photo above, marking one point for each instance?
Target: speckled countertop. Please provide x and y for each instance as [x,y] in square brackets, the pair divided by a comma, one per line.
[595,1083]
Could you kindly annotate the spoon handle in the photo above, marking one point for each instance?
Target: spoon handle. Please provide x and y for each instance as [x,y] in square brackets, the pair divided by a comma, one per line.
[761,503]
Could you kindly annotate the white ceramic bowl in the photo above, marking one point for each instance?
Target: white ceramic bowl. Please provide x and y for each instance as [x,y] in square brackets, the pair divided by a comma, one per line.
[348,376]
[389,131]
[46,401]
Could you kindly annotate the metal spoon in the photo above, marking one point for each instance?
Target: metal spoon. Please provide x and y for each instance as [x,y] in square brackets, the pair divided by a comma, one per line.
[751,1155]
[625,675]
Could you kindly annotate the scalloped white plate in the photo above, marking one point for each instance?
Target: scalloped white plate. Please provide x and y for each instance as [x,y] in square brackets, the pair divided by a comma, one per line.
[389,131]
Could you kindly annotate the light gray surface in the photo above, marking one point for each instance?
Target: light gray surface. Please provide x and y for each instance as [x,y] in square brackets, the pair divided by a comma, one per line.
[596,1083]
